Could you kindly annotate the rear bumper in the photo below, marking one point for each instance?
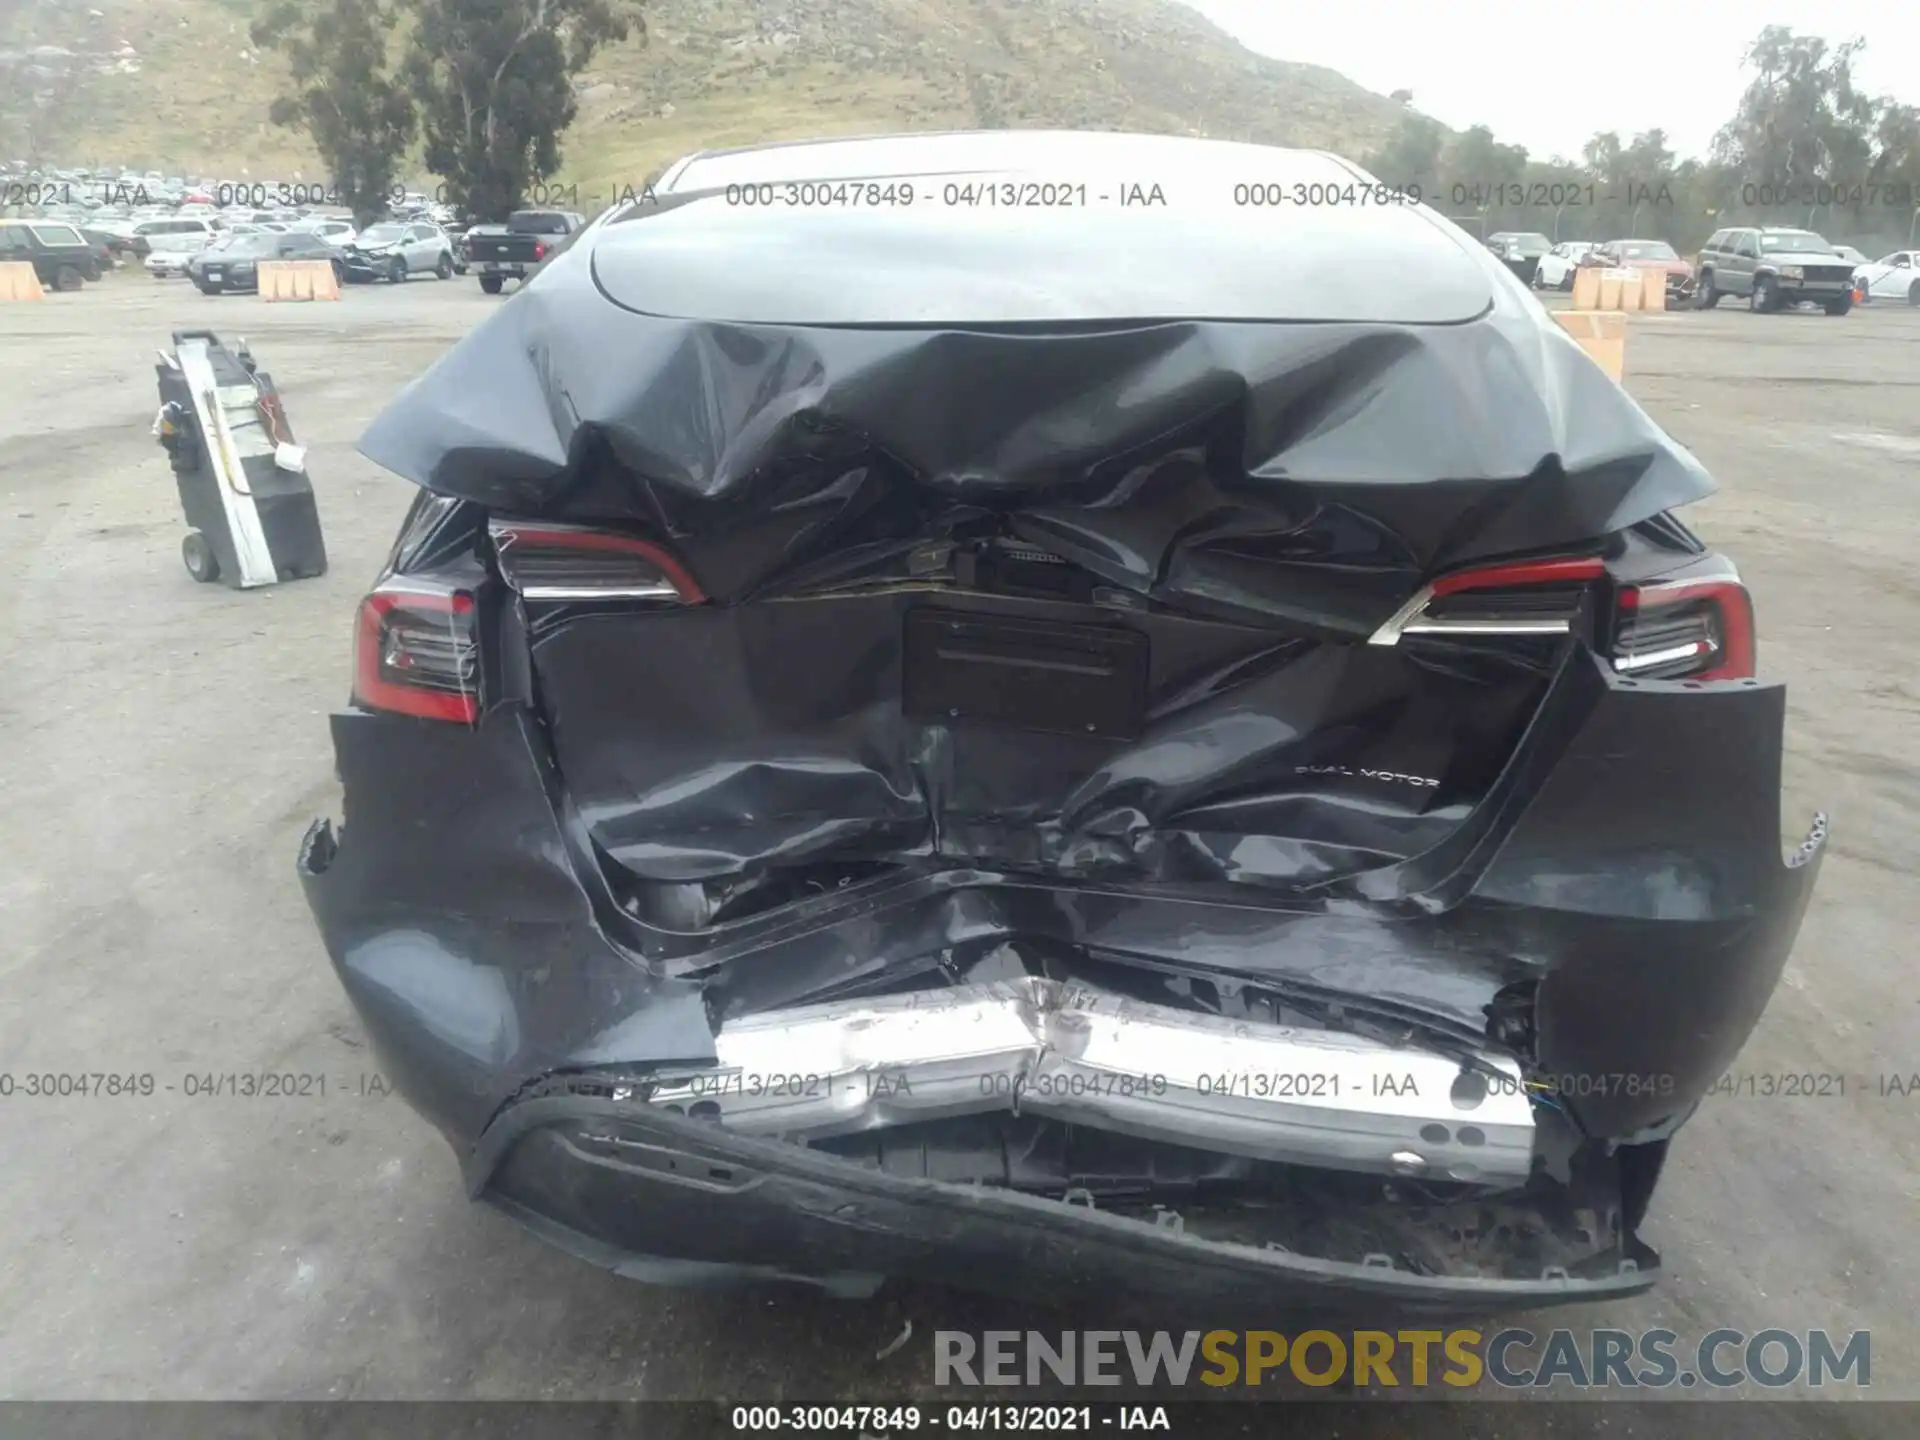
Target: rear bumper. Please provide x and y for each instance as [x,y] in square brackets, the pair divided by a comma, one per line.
[1631,915]
[665,1199]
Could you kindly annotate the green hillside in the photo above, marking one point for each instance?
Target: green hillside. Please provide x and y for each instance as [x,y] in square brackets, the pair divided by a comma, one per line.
[175,85]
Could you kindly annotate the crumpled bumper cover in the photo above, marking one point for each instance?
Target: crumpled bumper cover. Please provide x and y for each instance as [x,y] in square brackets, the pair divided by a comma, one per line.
[662,1198]
[1636,895]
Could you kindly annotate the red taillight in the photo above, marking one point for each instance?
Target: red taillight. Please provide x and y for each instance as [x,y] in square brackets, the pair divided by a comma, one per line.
[1686,629]
[1523,572]
[566,562]
[539,249]
[1522,597]
[416,653]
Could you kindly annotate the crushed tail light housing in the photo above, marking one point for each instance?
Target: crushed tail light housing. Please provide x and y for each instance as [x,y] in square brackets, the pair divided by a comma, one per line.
[416,652]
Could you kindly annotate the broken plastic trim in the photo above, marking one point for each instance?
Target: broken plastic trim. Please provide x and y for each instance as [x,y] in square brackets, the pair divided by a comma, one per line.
[1047,1047]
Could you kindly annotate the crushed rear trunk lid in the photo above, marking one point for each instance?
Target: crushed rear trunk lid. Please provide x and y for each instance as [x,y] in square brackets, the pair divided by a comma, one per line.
[1002,555]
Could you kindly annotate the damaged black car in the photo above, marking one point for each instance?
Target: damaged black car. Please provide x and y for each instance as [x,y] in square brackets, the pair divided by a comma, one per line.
[978,708]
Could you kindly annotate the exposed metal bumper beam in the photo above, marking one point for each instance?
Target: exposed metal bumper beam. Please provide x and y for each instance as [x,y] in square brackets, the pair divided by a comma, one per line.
[1063,1050]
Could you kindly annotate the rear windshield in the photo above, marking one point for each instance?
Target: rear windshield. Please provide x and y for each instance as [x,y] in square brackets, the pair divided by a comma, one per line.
[537,222]
[1647,250]
[1794,240]
[58,235]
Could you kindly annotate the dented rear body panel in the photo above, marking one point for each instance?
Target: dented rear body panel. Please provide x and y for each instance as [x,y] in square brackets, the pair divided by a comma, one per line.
[1217,775]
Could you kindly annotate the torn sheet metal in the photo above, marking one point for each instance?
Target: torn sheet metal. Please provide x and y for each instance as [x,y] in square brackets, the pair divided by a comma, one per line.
[1297,454]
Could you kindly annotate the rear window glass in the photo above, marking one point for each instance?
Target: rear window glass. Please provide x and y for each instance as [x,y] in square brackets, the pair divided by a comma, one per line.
[58,235]
[1794,240]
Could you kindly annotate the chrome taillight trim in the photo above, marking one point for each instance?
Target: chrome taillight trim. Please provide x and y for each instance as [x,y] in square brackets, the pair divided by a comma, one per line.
[662,591]
[1396,624]
[1407,620]
[1627,664]
[1487,627]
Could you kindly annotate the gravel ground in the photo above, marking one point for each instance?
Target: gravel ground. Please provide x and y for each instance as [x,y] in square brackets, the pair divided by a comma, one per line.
[162,745]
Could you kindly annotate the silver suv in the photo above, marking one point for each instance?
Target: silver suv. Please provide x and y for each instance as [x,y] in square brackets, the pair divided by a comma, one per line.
[1774,268]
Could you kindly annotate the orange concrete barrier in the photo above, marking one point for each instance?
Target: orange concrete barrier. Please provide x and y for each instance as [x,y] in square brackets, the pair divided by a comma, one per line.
[1602,334]
[298,280]
[1630,287]
[18,282]
[1586,288]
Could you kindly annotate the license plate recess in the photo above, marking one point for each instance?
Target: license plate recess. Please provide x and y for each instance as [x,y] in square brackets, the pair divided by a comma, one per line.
[1061,679]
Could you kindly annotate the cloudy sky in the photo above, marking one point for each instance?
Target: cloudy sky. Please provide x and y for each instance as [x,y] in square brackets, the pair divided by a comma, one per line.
[1475,61]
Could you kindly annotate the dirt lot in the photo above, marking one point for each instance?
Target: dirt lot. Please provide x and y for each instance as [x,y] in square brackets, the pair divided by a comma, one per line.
[162,745]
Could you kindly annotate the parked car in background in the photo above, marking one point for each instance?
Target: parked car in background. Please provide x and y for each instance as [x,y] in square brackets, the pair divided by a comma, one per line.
[169,247]
[337,233]
[60,254]
[1891,277]
[234,267]
[1520,251]
[1556,267]
[1652,255]
[1774,268]
[513,251]
[1850,255]
[395,250]
[150,231]
[107,248]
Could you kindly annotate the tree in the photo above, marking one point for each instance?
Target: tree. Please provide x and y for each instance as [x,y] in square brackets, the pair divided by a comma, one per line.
[493,81]
[345,95]
[1896,167]
[1801,119]
[1482,176]
[1411,157]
